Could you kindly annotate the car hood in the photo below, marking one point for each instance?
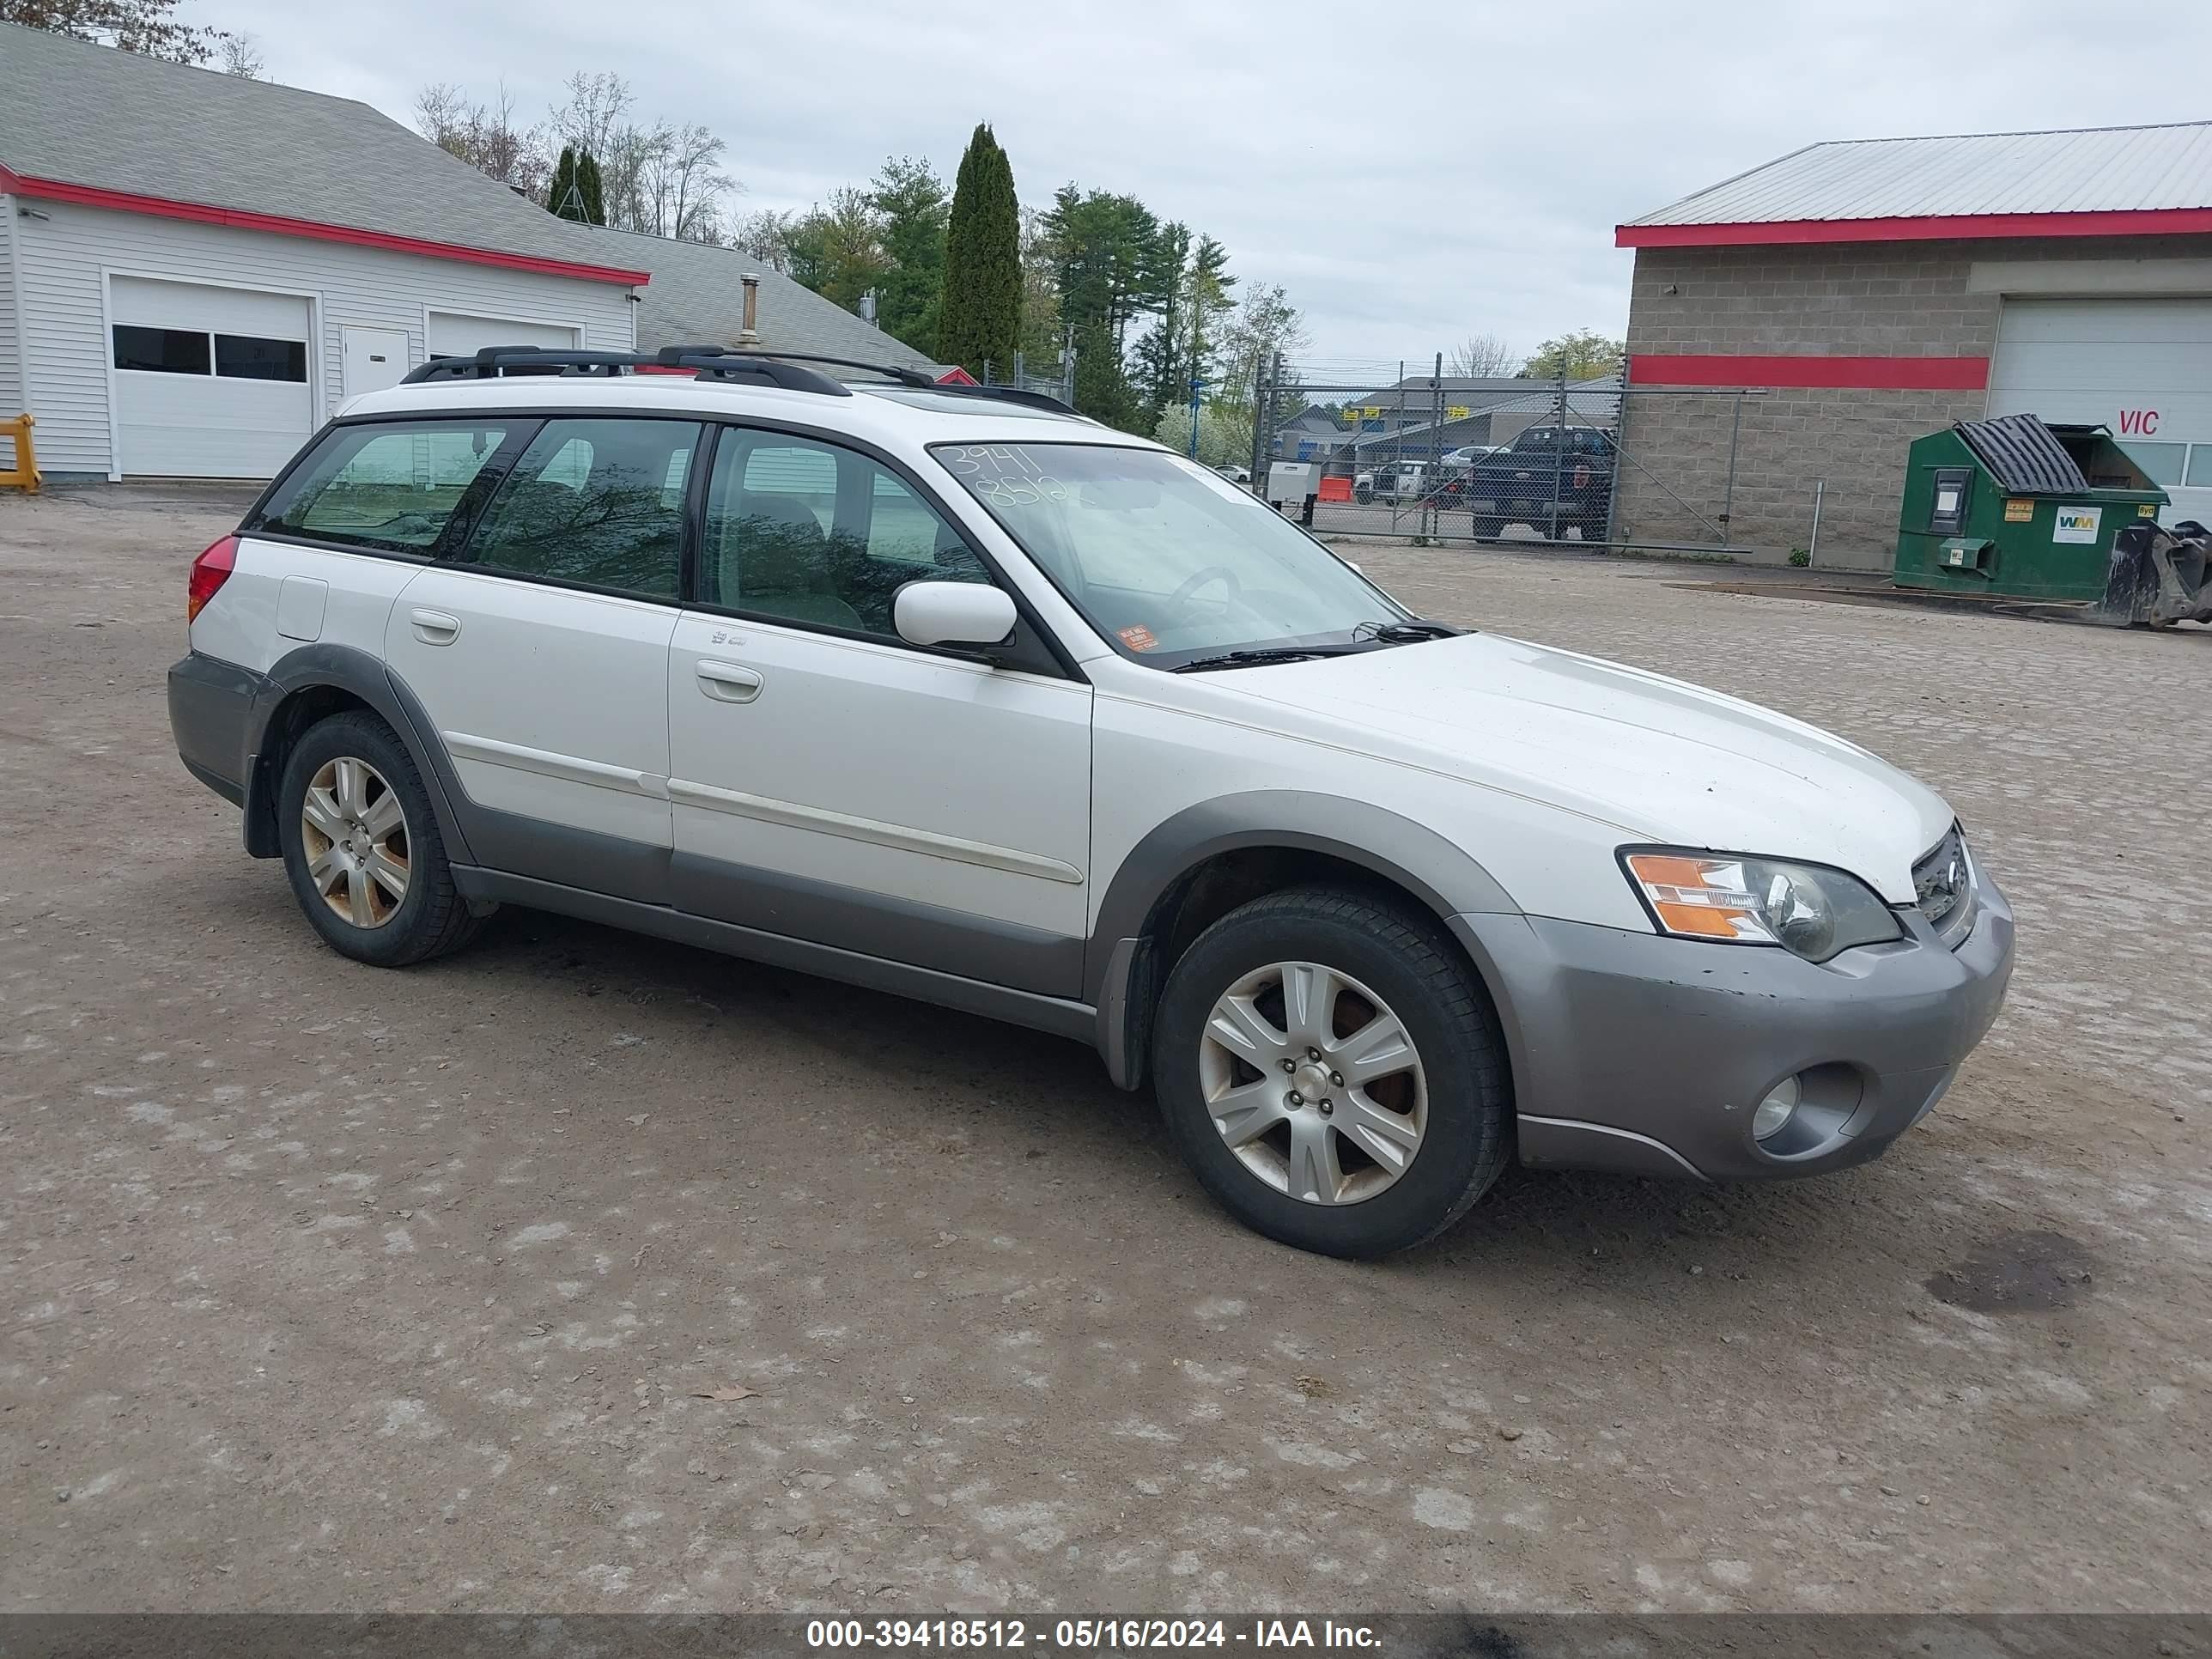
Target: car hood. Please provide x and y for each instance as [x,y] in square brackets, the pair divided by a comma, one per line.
[1662,760]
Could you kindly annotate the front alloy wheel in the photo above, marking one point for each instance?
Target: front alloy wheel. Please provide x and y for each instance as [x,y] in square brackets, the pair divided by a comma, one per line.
[1313,1083]
[1332,1070]
[353,831]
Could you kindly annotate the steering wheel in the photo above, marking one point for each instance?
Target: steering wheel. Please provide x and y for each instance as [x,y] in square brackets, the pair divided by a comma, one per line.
[1198,579]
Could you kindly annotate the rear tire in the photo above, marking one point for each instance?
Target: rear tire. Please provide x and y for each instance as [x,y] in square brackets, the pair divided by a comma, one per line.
[1298,993]
[362,846]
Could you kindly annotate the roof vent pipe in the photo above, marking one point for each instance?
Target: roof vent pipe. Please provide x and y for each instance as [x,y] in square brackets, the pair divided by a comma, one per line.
[749,334]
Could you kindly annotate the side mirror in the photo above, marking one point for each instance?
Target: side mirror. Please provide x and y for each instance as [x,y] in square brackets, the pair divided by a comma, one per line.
[952,613]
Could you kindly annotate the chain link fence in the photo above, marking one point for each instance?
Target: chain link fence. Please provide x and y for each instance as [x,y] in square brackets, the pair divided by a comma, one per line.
[1463,459]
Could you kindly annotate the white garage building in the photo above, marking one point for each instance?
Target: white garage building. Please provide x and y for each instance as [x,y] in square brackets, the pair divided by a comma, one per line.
[196,270]
[1871,290]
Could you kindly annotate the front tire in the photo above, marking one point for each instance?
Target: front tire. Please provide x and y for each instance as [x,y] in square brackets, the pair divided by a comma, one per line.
[1333,1073]
[362,846]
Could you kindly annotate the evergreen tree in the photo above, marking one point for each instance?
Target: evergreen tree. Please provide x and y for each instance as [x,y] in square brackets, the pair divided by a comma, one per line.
[574,192]
[910,201]
[593,190]
[981,313]
[561,196]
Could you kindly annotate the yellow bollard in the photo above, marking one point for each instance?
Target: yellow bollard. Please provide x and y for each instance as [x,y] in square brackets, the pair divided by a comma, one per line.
[24,475]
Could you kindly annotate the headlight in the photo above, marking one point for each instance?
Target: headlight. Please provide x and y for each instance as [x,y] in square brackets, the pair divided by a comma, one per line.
[1804,908]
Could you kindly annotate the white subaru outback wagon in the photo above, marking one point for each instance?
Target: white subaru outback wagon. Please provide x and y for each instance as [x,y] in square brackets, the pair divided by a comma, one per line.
[961,696]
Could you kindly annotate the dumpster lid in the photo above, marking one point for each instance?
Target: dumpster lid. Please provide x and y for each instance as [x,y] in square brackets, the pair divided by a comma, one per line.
[2023,455]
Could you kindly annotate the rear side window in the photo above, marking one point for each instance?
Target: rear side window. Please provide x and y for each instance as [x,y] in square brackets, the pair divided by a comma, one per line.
[390,487]
[599,503]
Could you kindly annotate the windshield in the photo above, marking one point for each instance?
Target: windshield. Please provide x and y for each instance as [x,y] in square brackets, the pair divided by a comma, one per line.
[1165,559]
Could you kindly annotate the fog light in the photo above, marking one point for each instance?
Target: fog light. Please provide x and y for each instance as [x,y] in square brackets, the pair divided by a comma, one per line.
[1775,1111]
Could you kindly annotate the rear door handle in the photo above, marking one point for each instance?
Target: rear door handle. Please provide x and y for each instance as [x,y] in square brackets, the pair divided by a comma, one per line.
[728,682]
[434,627]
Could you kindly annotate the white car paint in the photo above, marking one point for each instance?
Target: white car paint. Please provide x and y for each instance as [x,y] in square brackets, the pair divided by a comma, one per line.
[975,789]
[552,702]
[894,772]
[1658,759]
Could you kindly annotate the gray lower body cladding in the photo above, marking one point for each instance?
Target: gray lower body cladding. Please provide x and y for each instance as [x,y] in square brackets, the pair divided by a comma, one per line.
[210,714]
[1631,1051]
[1647,1055]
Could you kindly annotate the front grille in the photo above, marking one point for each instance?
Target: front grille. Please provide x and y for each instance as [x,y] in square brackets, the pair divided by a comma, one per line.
[1943,887]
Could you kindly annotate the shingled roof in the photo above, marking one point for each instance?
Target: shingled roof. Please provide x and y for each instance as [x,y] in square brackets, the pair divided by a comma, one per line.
[115,129]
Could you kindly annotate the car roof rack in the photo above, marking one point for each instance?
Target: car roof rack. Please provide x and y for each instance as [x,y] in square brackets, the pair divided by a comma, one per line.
[1005,394]
[716,362]
[788,369]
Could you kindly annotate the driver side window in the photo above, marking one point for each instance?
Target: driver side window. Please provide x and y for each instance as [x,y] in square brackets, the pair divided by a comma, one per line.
[809,533]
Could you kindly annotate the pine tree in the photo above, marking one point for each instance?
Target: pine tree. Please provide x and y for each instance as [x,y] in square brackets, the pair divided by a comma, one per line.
[575,191]
[589,187]
[561,196]
[981,319]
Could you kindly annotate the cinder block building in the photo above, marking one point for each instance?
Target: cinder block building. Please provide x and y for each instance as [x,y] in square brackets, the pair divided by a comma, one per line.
[1861,294]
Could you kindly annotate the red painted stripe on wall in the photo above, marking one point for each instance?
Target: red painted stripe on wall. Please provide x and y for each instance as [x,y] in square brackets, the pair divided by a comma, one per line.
[1884,373]
[2138,222]
[55,190]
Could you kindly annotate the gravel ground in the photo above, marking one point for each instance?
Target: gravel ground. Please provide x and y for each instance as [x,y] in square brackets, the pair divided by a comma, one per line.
[329,1288]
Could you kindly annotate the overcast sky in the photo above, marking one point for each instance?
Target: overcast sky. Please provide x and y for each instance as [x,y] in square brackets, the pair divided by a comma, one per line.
[1413,173]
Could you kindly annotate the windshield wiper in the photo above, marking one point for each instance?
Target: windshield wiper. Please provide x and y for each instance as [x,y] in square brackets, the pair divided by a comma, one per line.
[1404,633]
[1269,653]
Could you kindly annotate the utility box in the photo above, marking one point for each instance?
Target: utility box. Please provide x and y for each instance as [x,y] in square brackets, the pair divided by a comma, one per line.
[2019,507]
[1292,482]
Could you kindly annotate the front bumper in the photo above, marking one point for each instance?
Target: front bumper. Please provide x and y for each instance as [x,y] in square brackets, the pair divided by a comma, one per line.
[1644,1054]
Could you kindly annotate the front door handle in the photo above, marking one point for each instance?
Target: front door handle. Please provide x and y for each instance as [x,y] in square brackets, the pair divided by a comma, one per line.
[729,682]
[434,627]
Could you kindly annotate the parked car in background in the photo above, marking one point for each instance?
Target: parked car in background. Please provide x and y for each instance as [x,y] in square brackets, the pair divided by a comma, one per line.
[1552,480]
[955,694]
[1458,461]
[1236,475]
[1396,480]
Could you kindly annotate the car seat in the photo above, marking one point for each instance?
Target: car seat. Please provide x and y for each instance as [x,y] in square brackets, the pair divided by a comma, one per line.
[774,558]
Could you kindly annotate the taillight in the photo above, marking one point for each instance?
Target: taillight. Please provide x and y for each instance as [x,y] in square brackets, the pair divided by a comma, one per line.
[209,572]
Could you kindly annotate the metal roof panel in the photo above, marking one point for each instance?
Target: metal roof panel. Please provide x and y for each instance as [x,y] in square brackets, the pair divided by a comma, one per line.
[2096,170]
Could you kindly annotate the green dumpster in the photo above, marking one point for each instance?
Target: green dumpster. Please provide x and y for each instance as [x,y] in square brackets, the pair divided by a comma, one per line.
[2015,507]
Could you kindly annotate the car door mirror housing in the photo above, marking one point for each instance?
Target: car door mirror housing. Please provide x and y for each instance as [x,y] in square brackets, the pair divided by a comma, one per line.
[952,613]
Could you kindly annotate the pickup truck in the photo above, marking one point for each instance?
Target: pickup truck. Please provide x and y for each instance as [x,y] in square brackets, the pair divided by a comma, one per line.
[1549,480]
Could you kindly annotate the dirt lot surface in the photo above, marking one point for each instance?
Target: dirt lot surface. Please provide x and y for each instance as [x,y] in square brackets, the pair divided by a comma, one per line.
[324,1287]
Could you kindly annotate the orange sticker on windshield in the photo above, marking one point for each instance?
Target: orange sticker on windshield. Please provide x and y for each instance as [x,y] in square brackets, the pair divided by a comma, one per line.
[1139,638]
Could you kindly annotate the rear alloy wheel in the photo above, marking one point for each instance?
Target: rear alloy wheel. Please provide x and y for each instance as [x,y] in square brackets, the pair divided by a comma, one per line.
[361,845]
[1331,1071]
[353,831]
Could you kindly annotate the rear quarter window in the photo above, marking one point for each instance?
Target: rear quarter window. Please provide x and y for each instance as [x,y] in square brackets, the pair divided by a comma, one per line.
[392,487]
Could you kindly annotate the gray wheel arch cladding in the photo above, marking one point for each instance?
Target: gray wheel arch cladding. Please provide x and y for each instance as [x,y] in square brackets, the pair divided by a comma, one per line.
[1119,980]
[344,668]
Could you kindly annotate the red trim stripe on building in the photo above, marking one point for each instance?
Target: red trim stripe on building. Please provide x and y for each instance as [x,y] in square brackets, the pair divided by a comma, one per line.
[54,190]
[1882,373]
[2139,221]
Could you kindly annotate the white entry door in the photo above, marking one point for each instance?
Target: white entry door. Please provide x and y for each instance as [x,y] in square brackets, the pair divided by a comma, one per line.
[374,358]
[208,382]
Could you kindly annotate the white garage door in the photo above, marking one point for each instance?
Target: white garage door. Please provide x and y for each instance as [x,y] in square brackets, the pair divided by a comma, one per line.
[208,382]
[453,335]
[2142,367]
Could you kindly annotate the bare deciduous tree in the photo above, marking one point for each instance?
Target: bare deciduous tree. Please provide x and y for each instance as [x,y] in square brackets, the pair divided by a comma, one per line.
[485,135]
[766,234]
[241,56]
[148,27]
[663,179]
[1484,357]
